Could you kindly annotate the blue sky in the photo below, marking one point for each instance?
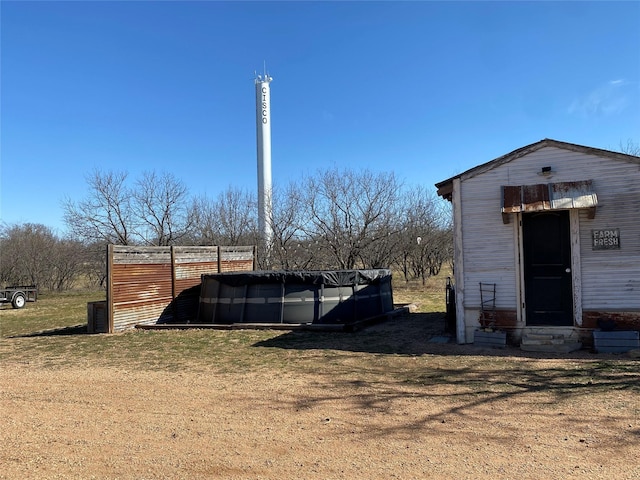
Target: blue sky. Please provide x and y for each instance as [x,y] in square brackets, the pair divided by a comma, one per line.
[423,89]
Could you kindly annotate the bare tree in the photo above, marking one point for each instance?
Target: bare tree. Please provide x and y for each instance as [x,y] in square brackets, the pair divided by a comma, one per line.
[95,264]
[426,240]
[630,148]
[289,249]
[227,220]
[237,215]
[69,260]
[348,212]
[160,204]
[205,225]
[33,254]
[9,252]
[155,211]
[28,249]
[382,251]
[335,219]
[106,214]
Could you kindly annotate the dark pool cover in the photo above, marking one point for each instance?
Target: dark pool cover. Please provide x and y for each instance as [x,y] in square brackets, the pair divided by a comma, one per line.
[327,296]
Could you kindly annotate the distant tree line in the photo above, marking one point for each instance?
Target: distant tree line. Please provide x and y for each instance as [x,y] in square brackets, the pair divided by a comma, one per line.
[32,254]
[340,219]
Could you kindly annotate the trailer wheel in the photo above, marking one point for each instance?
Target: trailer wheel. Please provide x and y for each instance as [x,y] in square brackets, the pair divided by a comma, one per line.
[18,300]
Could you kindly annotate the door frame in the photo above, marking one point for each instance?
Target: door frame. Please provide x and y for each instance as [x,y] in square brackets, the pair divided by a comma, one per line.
[576,271]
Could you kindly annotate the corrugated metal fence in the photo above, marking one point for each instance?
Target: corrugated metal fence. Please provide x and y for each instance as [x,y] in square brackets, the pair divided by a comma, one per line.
[148,285]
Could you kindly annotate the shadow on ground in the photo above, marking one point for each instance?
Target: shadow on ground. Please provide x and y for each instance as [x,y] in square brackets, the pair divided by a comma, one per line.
[408,334]
[71,330]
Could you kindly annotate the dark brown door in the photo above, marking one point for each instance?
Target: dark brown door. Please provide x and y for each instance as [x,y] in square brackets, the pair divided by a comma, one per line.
[547,268]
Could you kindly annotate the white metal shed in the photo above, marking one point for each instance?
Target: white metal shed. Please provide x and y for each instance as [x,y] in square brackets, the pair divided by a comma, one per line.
[556,227]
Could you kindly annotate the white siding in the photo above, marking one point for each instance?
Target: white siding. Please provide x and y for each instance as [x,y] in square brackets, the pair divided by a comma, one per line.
[611,278]
[488,248]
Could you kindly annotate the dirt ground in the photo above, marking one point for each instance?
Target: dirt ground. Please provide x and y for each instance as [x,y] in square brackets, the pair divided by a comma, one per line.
[98,422]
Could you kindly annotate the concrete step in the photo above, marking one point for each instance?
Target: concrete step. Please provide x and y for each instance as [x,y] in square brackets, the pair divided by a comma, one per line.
[542,339]
[561,348]
[554,341]
[550,343]
[543,336]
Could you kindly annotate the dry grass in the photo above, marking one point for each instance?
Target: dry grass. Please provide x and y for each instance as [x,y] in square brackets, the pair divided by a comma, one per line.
[51,311]
[52,333]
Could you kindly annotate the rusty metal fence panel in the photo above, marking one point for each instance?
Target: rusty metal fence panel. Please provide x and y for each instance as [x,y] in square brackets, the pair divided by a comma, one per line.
[148,285]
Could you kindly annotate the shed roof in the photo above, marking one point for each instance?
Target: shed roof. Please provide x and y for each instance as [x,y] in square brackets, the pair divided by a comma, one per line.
[445,187]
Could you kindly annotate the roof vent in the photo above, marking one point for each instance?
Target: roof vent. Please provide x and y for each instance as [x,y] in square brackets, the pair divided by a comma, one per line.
[546,172]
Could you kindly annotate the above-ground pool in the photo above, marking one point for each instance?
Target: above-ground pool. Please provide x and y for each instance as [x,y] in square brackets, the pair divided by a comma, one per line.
[295,297]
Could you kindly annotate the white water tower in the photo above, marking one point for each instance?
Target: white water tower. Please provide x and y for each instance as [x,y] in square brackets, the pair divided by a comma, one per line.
[263,134]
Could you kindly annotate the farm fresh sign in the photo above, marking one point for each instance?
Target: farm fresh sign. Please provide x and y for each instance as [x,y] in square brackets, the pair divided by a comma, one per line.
[605,239]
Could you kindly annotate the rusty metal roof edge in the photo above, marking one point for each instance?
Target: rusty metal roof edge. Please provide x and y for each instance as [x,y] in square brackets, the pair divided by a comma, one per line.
[578,194]
[561,196]
[520,152]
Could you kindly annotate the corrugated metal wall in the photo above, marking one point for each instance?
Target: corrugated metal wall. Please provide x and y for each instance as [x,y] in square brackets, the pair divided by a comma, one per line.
[148,285]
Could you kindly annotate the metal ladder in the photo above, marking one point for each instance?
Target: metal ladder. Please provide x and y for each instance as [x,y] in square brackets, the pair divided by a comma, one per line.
[487,305]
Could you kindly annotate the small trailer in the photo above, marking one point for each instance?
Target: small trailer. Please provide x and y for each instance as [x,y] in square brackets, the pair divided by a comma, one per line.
[18,296]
